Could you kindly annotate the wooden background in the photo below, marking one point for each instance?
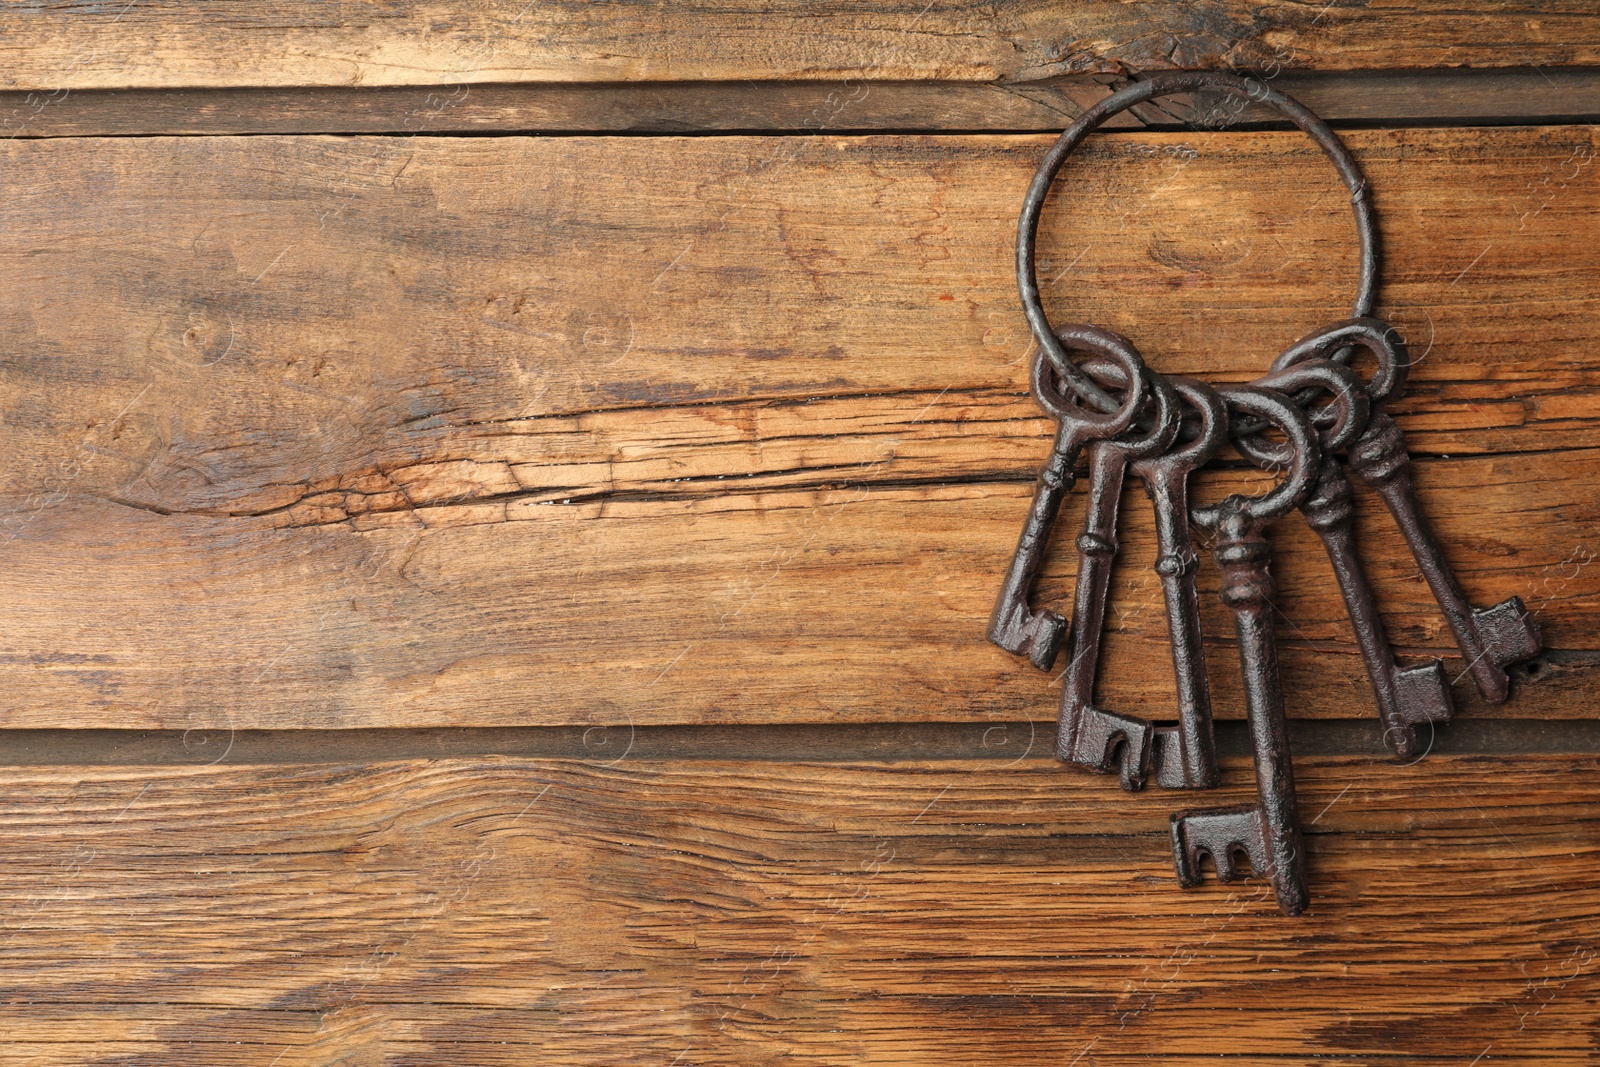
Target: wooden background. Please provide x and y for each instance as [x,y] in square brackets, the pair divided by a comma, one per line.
[500,509]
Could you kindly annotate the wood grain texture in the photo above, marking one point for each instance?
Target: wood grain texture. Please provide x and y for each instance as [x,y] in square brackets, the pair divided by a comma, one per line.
[343,432]
[507,911]
[181,43]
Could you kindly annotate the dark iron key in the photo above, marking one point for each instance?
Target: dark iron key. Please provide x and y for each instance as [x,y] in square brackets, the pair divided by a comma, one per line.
[1490,639]
[1406,697]
[1266,832]
[1013,625]
[1185,756]
[1093,737]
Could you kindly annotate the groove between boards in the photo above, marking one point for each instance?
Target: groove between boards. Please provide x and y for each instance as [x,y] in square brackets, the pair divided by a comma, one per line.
[810,743]
[1527,95]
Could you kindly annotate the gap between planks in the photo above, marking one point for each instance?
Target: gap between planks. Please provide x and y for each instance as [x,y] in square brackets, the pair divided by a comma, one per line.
[1529,96]
[799,742]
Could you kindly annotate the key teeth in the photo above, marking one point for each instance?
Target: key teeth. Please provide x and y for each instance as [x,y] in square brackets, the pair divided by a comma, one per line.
[1218,833]
[1094,744]
[1508,632]
[1167,759]
[1039,637]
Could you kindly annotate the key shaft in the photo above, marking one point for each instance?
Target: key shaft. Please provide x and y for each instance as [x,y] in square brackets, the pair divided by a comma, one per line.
[1013,625]
[1245,557]
[1185,756]
[1267,832]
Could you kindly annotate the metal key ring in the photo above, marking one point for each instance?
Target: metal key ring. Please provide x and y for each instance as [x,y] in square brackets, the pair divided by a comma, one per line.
[1083,423]
[1212,423]
[1375,335]
[1282,412]
[1164,410]
[1346,414]
[1160,85]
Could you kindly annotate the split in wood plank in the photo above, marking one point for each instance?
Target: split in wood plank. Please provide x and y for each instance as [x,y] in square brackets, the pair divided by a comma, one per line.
[424,432]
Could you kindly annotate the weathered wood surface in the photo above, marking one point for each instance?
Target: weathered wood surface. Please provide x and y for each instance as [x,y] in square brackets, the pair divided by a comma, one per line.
[511,911]
[1429,97]
[180,43]
[413,432]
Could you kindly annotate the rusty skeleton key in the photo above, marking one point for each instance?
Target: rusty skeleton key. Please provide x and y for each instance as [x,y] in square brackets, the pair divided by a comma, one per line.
[1087,735]
[1266,831]
[1407,697]
[1013,625]
[1489,638]
[1185,757]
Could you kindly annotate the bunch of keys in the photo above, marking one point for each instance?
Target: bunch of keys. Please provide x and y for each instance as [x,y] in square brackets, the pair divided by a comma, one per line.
[1117,416]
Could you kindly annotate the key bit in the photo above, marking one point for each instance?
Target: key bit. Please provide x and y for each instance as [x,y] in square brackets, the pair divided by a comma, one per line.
[1266,832]
[1087,735]
[1221,833]
[1013,625]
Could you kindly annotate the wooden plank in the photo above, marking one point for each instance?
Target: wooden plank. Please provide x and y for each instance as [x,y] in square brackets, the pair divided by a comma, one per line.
[299,429]
[507,911]
[1438,97]
[177,43]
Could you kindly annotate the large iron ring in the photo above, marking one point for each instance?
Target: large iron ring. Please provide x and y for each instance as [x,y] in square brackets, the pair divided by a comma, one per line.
[1168,84]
